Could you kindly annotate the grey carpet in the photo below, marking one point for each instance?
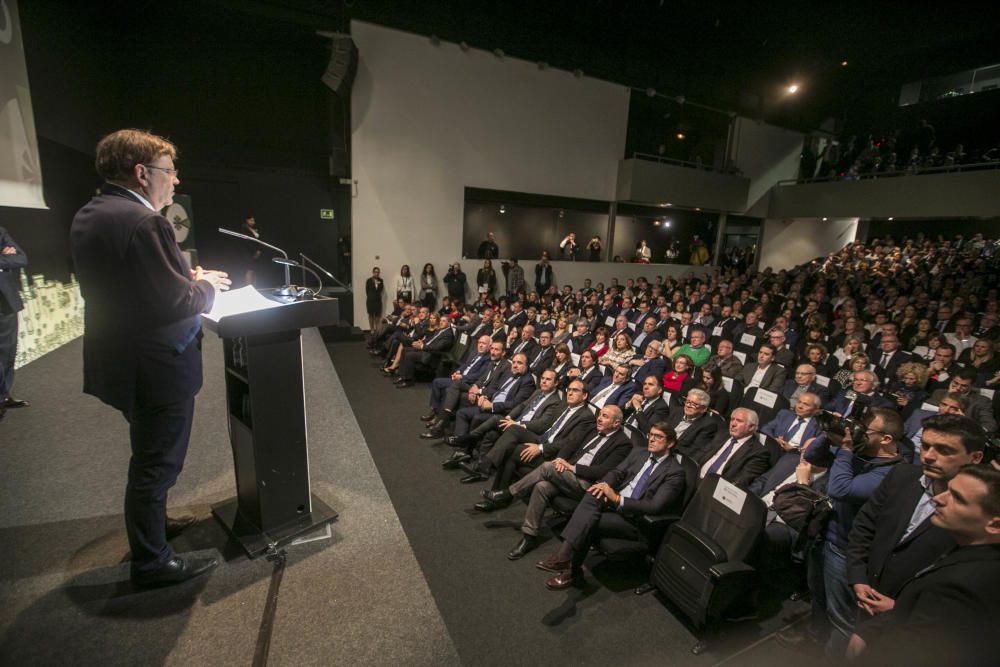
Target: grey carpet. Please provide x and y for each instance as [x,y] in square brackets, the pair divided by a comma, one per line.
[359,597]
[499,612]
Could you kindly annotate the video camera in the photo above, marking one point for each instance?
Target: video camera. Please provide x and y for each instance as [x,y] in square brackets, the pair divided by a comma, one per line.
[832,425]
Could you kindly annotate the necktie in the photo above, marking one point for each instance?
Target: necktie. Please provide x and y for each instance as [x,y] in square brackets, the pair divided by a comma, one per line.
[593,444]
[469,365]
[794,428]
[604,394]
[538,356]
[885,360]
[502,394]
[554,431]
[640,484]
[530,412]
[721,460]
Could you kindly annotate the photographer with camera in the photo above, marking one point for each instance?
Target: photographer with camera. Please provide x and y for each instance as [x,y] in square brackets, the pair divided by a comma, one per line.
[859,451]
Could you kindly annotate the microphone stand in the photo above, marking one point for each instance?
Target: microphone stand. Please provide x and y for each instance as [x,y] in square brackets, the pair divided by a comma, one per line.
[332,277]
[288,289]
[291,262]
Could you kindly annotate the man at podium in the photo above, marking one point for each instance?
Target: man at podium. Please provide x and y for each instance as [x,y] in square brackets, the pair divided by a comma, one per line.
[142,338]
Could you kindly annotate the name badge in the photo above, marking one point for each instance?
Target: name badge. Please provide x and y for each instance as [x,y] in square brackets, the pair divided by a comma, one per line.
[765,398]
[610,321]
[747,339]
[822,380]
[717,331]
[464,338]
[575,357]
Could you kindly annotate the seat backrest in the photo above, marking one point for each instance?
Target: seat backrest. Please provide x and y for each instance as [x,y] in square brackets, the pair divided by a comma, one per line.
[735,532]
[692,475]
[766,404]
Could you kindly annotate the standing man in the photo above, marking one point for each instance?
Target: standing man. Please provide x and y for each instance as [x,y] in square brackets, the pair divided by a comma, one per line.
[489,249]
[147,366]
[12,260]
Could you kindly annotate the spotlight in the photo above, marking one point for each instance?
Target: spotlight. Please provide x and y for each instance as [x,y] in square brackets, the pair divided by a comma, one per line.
[503,209]
[824,219]
[792,89]
[651,92]
[843,63]
[681,136]
[656,223]
[665,204]
[498,53]
[890,219]
[666,222]
[697,208]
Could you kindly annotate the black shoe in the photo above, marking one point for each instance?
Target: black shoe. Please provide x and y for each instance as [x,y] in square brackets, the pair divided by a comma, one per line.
[177,526]
[474,476]
[432,434]
[527,543]
[403,384]
[176,571]
[429,417]
[484,506]
[457,458]
[10,402]
[500,498]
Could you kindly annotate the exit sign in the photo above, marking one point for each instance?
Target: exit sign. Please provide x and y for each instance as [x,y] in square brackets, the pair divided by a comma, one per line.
[326,214]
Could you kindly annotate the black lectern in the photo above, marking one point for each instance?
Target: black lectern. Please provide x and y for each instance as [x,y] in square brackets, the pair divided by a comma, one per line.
[265,399]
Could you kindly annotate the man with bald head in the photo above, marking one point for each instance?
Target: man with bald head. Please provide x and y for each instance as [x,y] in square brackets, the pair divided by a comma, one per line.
[793,427]
[803,381]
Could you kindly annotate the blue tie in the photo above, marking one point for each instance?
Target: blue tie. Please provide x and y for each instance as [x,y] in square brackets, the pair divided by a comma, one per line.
[721,461]
[530,412]
[555,427]
[502,394]
[794,428]
[640,484]
[472,363]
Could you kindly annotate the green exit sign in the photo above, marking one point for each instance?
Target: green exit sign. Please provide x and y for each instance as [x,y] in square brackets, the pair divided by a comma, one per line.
[326,214]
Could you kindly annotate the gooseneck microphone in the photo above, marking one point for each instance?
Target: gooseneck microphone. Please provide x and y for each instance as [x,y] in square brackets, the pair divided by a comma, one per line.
[291,262]
[288,289]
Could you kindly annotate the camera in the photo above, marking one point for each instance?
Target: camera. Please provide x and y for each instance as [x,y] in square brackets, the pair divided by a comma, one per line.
[832,425]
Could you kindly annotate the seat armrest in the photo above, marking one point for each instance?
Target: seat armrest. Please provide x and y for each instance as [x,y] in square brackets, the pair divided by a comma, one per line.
[700,540]
[720,570]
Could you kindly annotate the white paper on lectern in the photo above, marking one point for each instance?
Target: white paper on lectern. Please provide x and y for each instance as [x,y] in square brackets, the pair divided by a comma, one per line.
[237,301]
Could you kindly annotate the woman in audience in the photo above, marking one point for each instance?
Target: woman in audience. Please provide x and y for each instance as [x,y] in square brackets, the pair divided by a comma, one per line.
[917,335]
[497,333]
[858,362]
[907,389]
[374,288]
[812,336]
[590,314]
[981,357]
[433,322]
[711,384]
[428,286]
[561,364]
[934,341]
[404,285]
[823,363]
[850,346]
[486,279]
[679,379]
[671,340]
[621,352]
[562,332]
[594,247]
[643,253]
[600,342]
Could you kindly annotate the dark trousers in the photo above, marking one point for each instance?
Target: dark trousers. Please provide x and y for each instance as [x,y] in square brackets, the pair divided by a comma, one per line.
[159,437]
[8,352]
[438,388]
[592,520]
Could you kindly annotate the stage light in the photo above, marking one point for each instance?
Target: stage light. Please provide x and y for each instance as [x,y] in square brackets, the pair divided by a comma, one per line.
[656,223]
[792,89]
[680,136]
[503,209]
[666,223]
[824,219]
[697,208]
[843,63]
[890,219]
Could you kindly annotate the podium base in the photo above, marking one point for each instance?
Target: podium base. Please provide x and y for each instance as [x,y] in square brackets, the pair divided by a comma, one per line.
[255,541]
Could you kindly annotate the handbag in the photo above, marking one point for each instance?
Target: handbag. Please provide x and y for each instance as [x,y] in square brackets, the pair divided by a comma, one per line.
[805,510]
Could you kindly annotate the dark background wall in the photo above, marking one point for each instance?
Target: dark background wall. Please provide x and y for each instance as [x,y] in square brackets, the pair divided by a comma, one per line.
[238,91]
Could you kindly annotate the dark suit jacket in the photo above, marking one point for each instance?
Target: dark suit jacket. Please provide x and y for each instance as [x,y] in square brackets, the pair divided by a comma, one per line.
[774,376]
[654,367]
[518,319]
[544,416]
[477,368]
[664,491]
[744,465]
[945,615]
[517,393]
[572,433]
[530,348]
[618,397]
[127,261]
[10,283]
[592,377]
[696,436]
[840,403]
[493,375]
[544,359]
[610,455]
[875,555]
[777,427]
[436,343]
[888,374]
[644,343]
[656,411]
[578,344]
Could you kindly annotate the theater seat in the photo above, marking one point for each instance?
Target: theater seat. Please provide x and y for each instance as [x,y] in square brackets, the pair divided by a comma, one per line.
[701,564]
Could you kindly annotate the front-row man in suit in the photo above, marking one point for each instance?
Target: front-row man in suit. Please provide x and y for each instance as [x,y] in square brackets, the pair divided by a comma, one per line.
[461,392]
[792,428]
[737,455]
[946,613]
[575,468]
[470,368]
[498,398]
[893,537]
[648,481]
[142,335]
[12,260]
[536,413]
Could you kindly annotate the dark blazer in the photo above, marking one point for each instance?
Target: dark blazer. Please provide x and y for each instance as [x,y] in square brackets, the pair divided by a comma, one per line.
[655,411]
[578,344]
[644,343]
[654,367]
[774,376]
[888,373]
[618,397]
[944,615]
[530,348]
[840,403]
[127,261]
[778,473]
[592,377]
[493,374]
[10,283]
[479,362]
[518,393]
[541,359]
[790,386]
[610,455]
[744,466]
[875,555]
[664,491]
[436,343]
[696,436]
[572,433]
[785,357]
[777,427]
[518,319]
[544,416]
